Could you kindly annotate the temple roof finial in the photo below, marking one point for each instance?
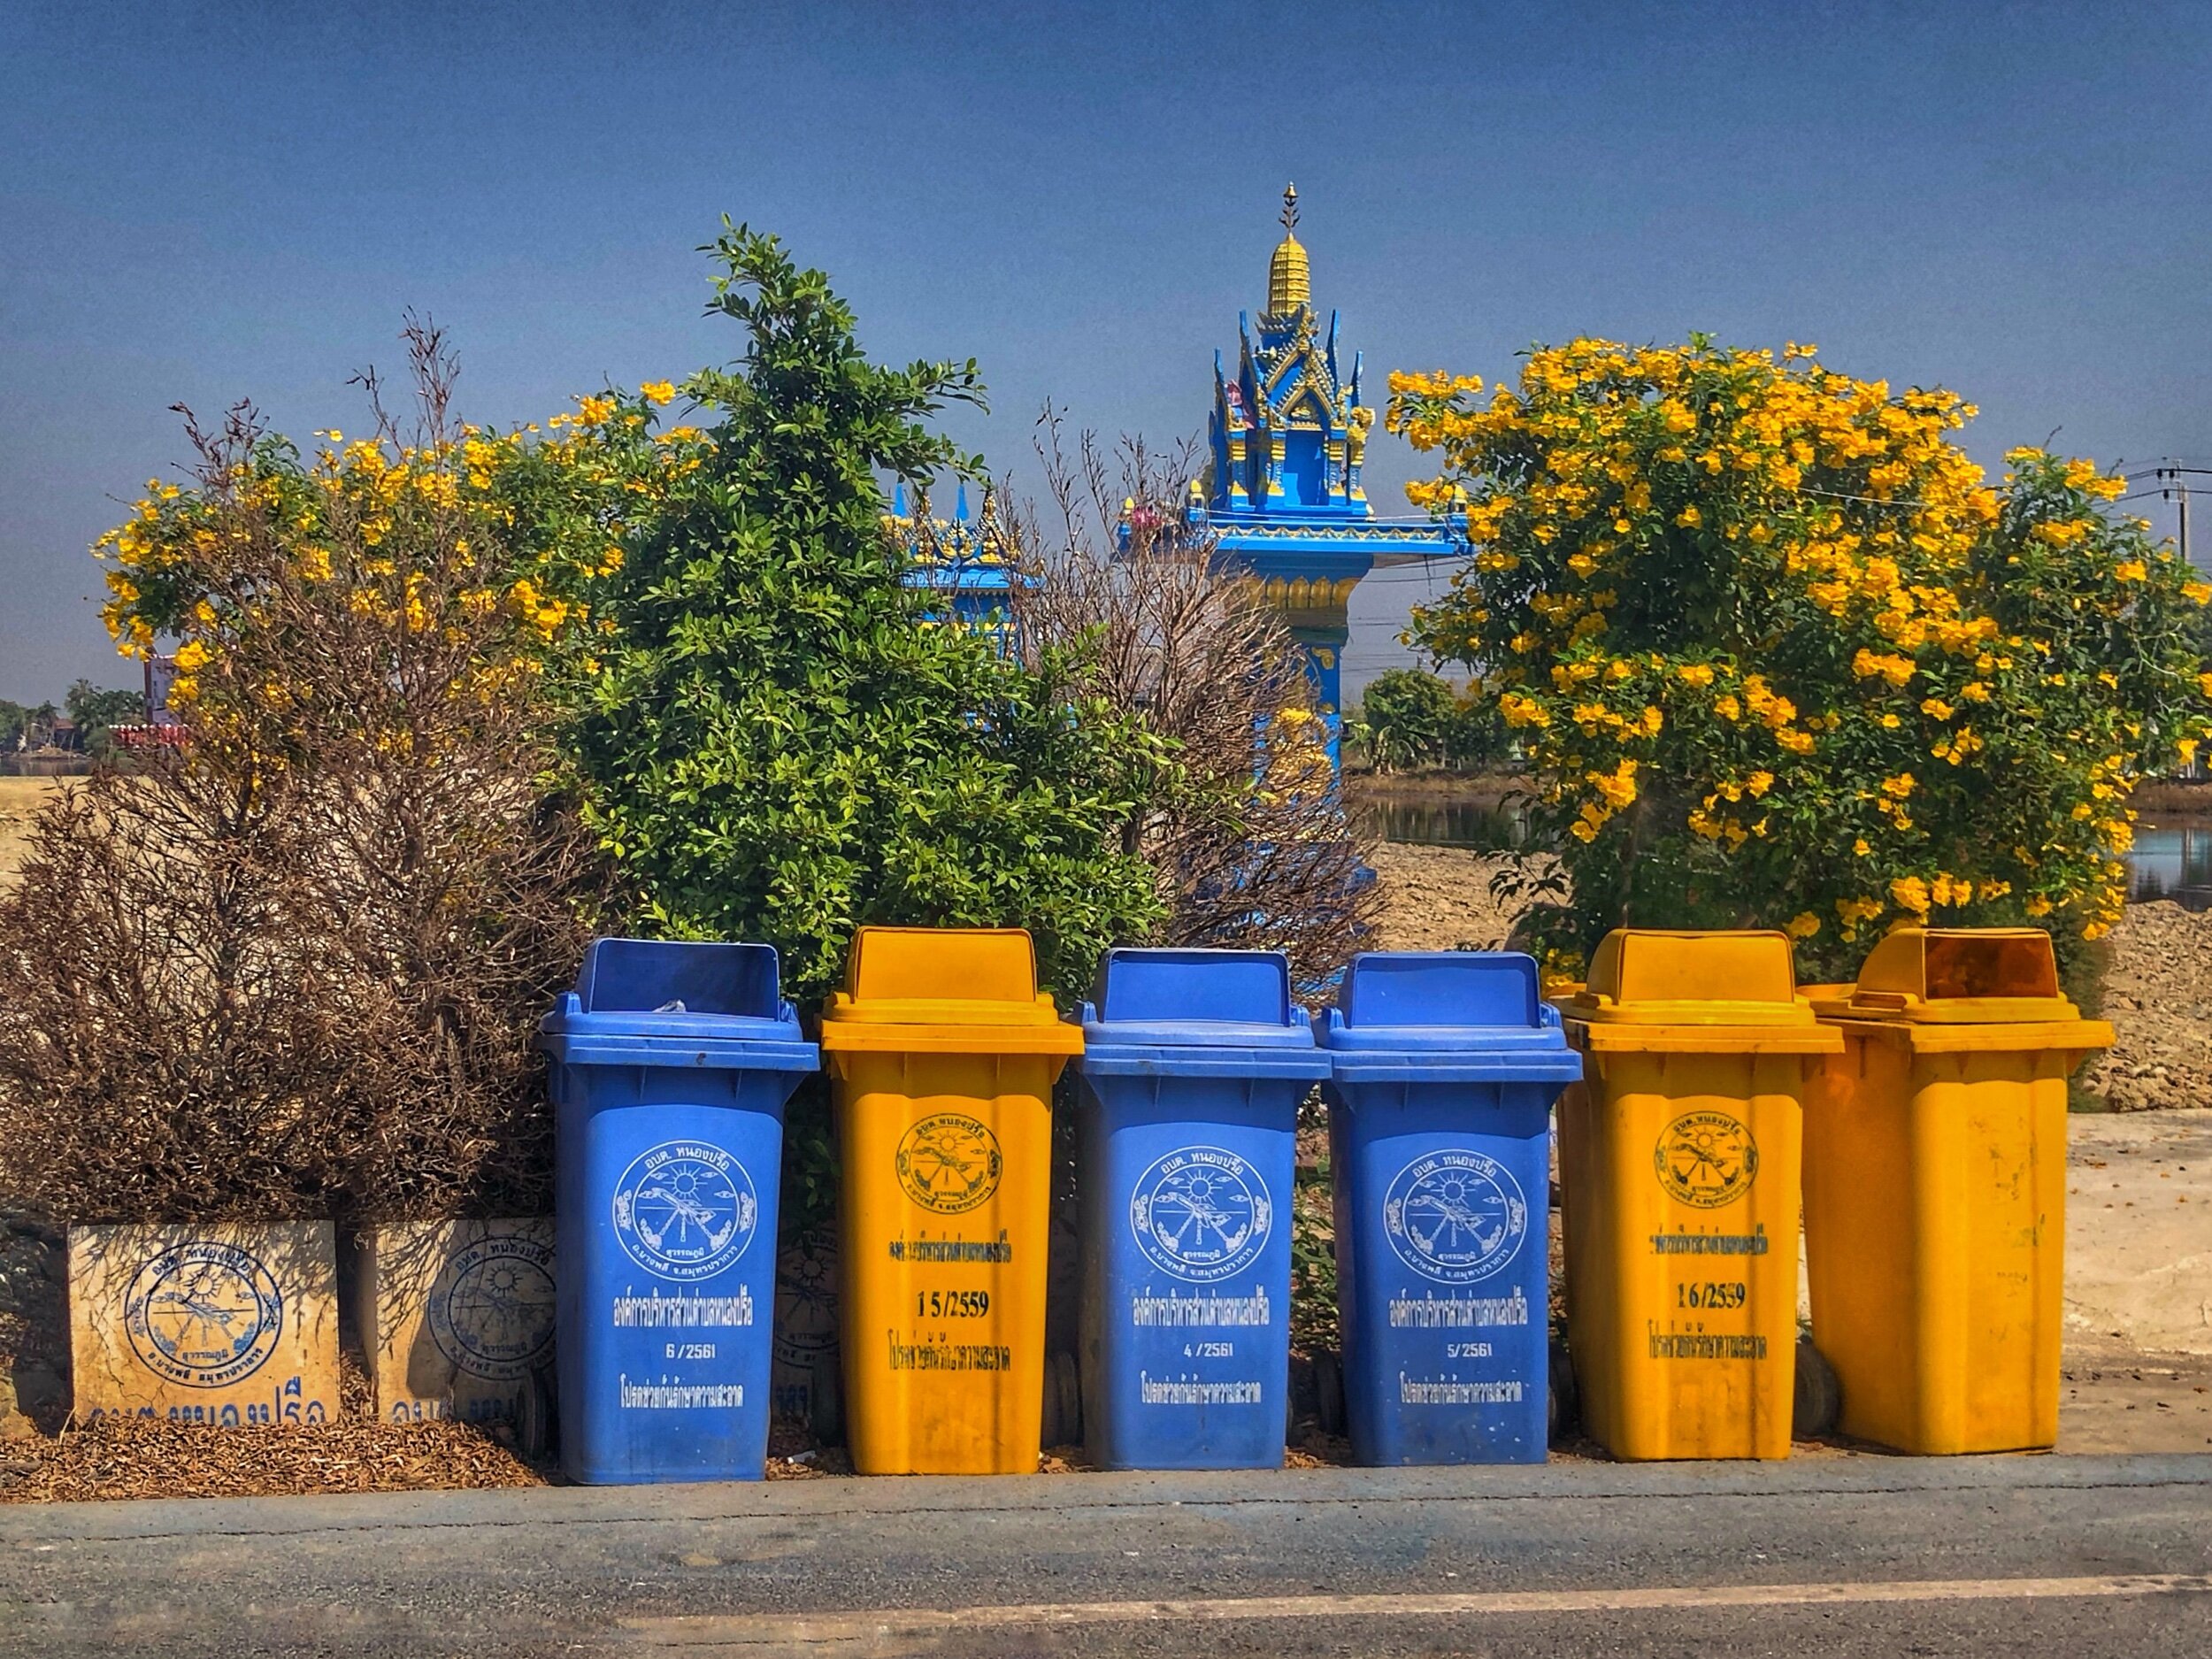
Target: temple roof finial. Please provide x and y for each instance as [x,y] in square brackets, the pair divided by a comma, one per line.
[1289,281]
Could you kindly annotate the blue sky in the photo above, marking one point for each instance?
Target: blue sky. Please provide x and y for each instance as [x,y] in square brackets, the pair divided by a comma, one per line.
[199,205]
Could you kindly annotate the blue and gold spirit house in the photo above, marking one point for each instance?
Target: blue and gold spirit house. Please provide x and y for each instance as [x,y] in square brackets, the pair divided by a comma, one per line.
[964,562]
[1282,495]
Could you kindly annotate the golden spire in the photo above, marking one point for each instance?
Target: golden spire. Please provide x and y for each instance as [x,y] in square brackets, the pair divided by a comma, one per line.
[1289,282]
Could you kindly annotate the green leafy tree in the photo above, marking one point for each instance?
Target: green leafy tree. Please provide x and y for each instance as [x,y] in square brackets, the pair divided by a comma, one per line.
[775,740]
[1406,717]
[97,712]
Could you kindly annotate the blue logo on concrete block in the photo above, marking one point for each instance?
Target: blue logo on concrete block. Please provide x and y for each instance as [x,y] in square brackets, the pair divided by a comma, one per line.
[204,1314]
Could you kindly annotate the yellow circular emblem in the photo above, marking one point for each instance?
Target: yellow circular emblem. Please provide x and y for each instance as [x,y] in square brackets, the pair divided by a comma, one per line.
[948,1162]
[1707,1159]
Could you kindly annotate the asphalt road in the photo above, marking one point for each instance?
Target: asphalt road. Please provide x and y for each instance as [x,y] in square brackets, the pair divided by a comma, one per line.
[1864,1555]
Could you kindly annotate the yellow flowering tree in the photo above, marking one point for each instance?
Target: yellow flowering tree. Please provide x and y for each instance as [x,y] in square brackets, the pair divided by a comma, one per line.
[290,965]
[1780,654]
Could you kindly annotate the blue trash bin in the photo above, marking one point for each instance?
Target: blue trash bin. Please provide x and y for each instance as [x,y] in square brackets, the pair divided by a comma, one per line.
[1193,1065]
[1444,1067]
[672,1064]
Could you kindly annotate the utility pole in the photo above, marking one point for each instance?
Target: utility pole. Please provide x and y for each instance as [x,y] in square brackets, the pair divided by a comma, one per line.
[2169,478]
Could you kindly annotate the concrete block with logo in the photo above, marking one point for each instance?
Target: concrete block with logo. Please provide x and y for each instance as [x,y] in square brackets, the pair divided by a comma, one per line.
[454,1317]
[229,1323]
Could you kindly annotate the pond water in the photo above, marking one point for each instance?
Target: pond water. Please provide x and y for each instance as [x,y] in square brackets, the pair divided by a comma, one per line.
[2172,857]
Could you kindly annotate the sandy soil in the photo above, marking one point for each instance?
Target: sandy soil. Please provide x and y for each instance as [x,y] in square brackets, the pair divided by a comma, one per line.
[2139,1223]
[18,799]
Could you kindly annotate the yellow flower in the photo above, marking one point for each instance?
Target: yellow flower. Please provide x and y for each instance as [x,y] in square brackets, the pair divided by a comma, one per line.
[1911,894]
[658,392]
[1695,674]
[2197,593]
[1936,708]
[1861,847]
[1896,669]
[1803,925]
[1689,517]
[191,656]
[2130,571]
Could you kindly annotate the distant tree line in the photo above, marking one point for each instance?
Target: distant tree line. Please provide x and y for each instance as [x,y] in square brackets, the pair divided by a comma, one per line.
[85,721]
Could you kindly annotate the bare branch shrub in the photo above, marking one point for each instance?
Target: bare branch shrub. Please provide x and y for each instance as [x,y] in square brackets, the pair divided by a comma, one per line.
[1241,822]
[291,966]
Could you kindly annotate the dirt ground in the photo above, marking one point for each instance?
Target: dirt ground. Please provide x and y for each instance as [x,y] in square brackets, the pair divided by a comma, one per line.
[1440,898]
[18,798]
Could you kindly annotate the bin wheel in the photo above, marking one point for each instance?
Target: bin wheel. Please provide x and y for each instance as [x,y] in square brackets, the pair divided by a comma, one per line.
[1328,1389]
[1563,1402]
[825,1402]
[1816,1401]
[537,1419]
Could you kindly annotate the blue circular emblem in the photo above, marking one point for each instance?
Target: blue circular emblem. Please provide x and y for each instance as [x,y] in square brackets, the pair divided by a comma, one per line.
[1455,1215]
[685,1209]
[1200,1214]
[204,1314]
[491,1308]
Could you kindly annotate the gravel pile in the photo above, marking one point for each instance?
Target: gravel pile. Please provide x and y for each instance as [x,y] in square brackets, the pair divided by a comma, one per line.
[2158,996]
[1440,898]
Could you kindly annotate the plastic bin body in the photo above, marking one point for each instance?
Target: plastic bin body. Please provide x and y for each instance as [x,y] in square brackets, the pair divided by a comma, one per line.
[669,1143]
[1194,1064]
[1680,1156]
[1444,1068]
[941,1057]
[1935,1191]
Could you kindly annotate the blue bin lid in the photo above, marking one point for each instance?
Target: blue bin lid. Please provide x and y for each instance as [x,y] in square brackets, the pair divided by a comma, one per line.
[679,1002]
[1414,1008]
[1198,1013]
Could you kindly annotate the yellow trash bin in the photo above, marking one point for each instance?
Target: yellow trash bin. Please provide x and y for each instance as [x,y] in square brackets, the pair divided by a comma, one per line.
[1935,1189]
[1679,1176]
[942,1055]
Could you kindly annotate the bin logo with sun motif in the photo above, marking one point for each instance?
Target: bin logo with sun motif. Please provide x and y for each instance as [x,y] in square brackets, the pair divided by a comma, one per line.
[204,1314]
[1707,1159]
[1455,1215]
[1200,1213]
[491,1309]
[686,1210]
[948,1162]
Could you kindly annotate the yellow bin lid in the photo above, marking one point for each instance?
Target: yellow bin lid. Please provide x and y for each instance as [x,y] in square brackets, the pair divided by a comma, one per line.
[944,990]
[1731,992]
[2004,977]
